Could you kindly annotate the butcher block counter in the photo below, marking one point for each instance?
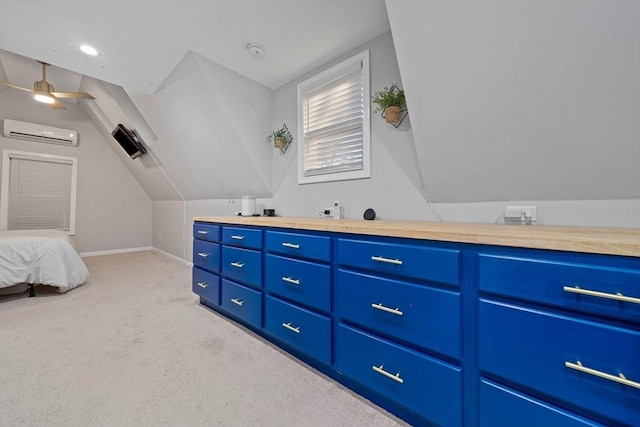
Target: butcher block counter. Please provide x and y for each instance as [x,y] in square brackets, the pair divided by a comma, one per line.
[600,240]
[442,324]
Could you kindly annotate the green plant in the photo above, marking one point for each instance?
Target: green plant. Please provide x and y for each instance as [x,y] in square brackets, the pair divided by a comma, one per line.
[387,97]
[281,138]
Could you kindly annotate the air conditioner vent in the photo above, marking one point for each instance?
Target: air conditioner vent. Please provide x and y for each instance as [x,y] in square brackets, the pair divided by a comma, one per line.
[41,133]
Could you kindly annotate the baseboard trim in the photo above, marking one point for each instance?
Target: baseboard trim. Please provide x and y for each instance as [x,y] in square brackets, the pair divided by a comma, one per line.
[115,251]
[173,257]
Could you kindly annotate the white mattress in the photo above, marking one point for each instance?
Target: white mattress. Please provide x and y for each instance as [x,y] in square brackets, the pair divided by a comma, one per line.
[45,257]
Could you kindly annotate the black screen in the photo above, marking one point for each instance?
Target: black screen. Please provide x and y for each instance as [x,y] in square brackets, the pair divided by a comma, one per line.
[128,141]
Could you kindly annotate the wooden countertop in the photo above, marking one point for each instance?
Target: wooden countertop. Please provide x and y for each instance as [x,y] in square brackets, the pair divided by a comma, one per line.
[612,241]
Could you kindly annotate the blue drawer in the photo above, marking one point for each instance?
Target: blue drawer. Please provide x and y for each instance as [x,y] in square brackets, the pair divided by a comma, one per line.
[419,262]
[423,384]
[502,407]
[301,281]
[543,280]
[206,255]
[206,285]
[242,265]
[307,331]
[242,237]
[420,315]
[204,231]
[532,348]
[299,245]
[241,301]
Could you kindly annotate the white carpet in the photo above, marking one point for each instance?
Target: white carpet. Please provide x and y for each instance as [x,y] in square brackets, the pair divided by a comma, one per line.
[133,347]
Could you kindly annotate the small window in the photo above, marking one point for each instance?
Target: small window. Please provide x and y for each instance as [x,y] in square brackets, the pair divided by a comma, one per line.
[333,123]
[38,191]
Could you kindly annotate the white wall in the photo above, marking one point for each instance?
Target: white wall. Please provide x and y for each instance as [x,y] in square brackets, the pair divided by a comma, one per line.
[113,212]
[536,100]
[173,221]
[211,125]
[395,189]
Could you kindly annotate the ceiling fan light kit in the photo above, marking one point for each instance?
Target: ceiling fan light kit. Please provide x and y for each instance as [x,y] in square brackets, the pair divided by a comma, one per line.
[43,91]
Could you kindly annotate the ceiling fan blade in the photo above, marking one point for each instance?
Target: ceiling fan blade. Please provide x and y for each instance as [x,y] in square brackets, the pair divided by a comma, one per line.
[14,86]
[82,95]
[57,106]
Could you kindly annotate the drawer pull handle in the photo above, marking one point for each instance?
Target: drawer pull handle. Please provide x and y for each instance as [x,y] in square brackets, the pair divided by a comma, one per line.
[380,370]
[617,297]
[203,285]
[202,232]
[291,245]
[381,307]
[290,280]
[291,328]
[619,379]
[203,254]
[387,260]
[236,237]
[237,264]
[237,301]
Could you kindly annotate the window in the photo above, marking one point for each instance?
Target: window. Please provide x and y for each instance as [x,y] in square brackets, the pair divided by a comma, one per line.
[333,123]
[38,191]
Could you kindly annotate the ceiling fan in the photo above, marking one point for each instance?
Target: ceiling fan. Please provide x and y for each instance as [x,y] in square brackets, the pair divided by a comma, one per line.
[43,91]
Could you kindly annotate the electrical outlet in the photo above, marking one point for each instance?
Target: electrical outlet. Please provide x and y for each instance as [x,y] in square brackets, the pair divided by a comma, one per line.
[520,214]
[334,212]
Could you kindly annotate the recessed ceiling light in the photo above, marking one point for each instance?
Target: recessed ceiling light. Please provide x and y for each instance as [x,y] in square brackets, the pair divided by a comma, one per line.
[88,50]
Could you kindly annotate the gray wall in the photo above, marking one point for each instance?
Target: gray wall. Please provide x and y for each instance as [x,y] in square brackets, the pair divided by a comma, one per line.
[533,100]
[395,189]
[113,212]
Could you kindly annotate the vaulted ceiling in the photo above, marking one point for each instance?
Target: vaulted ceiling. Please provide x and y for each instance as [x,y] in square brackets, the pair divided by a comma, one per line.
[141,42]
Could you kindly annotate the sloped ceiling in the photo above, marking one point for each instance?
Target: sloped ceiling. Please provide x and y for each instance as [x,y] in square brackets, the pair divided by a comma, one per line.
[522,100]
[180,74]
[140,42]
[211,124]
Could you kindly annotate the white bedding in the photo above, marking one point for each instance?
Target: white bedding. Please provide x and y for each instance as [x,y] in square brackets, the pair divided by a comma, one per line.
[45,257]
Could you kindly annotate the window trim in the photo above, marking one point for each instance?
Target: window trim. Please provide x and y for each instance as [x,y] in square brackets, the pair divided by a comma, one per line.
[7,154]
[322,78]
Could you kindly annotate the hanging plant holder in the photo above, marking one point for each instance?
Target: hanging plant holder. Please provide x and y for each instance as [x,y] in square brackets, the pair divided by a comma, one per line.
[281,138]
[392,114]
[280,143]
[391,101]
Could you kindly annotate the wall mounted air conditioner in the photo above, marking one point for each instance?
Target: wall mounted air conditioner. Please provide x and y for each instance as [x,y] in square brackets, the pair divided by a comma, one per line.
[40,133]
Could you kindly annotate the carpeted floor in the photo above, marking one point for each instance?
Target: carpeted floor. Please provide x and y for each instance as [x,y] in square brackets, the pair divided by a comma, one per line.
[133,347]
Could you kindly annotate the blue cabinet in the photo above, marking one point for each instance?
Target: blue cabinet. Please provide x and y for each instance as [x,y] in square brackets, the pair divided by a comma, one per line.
[206,255]
[423,384]
[306,283]
[545,352]
[206,285]
[206,263]
[414,314]
[306,330]
[439,333]
[242,302]
[298,245]
[504,407]
[410,261]
[242,265]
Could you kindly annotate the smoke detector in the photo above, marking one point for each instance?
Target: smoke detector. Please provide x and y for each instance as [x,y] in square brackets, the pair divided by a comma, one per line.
[256,50]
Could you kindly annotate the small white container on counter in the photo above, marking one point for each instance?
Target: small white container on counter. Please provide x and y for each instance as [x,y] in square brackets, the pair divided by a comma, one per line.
[248,206]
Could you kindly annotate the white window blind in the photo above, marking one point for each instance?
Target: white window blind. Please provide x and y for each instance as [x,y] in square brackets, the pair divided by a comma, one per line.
[334,111]
[40,192]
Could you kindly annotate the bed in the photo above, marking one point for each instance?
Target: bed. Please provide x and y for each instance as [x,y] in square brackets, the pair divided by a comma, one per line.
[39,257]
